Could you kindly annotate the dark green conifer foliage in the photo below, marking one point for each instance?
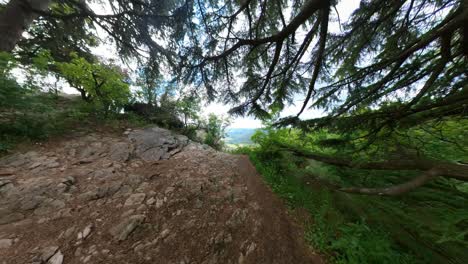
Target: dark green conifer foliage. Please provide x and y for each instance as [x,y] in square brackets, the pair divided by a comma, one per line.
[394,63]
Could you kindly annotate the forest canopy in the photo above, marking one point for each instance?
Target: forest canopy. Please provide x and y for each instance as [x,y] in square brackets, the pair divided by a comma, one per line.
[392,66]
[382,173]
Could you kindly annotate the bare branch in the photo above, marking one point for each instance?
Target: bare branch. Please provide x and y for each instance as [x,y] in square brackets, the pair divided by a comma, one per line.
[395,189]
[445,169]
[319,59]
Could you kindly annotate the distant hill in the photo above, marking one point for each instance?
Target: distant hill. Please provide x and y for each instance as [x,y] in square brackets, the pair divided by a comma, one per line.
[239,135]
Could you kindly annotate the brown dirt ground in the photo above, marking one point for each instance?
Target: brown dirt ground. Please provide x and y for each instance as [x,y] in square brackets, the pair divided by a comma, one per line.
[200,206]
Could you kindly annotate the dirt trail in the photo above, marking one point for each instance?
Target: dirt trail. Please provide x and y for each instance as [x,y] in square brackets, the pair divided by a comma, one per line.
[147,196]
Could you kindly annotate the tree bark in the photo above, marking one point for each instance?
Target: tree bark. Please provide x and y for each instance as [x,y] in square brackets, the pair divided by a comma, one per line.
[444,168]
[15,18]
[395,189]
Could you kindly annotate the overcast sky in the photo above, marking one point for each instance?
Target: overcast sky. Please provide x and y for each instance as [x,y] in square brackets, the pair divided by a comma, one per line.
[345,8]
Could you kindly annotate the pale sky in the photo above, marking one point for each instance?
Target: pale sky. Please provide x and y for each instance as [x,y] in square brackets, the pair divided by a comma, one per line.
[345,8]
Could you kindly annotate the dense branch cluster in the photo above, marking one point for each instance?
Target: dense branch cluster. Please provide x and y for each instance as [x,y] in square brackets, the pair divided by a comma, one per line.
[394,62]
[137,27]
[390,66]
[391,63]
[430,169]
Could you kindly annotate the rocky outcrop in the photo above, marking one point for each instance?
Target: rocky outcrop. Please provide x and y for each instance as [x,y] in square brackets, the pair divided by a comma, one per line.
[122,230]
[147,196]
[155,143]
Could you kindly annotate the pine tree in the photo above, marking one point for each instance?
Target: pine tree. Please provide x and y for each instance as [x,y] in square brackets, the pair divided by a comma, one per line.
[394,62]
[394,65]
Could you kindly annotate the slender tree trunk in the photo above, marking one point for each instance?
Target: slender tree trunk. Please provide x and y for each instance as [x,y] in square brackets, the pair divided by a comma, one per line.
[15,18]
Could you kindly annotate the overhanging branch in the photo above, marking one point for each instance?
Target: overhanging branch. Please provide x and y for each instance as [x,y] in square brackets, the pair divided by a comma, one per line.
[395,189]
[445,169]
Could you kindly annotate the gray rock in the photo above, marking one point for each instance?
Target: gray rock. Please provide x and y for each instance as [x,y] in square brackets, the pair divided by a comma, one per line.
[121,231]
[62,188]
[86,231]
[124,190]
[159,203]
[4,182]
[70,180]
[154,154]
[31,202]
[128,213]
[6,243]
[135,199]
[35,165]
[120,151]
[78,252]
[141,208]
[87,259]
[69,232]
[105,173]
[52,164]
[17,160]
[198,204]
[153,144]
[91,151]
[99,192]
[56,259]
[10,218]
[113,187]
[164,233]
[49,206]
[169,190]
[151,201]
[135,179]
[48,252]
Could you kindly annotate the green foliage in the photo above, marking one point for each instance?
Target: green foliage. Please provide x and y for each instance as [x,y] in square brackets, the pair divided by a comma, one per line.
[29,114]
[149,82]
[427,225]
[215,131]
[188,107]
[99,83]
[37,116]
[10,92]
[58,37]
[7,63]
[390,66]
[166,114]
[42,61]
[357,243]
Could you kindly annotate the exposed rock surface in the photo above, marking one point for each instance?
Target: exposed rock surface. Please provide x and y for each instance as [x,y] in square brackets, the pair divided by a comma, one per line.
[126,227]
[148,196]
[5,243]
[153,148]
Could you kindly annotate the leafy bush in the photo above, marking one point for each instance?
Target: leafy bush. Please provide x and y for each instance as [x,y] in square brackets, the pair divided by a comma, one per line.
[29,113]
[215,131]
[358,243]
[100,84]
[425,226]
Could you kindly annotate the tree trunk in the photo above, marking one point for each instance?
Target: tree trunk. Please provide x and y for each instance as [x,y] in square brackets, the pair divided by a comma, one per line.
[15,18]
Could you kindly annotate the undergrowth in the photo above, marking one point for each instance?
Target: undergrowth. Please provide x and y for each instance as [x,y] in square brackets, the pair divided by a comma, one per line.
[39,116]
[426,226]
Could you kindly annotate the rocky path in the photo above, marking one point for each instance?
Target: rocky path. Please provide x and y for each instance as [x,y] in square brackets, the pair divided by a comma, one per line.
[147,196]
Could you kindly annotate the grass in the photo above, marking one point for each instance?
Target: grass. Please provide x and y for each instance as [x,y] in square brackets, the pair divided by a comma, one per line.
[42,116]
[421,227]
